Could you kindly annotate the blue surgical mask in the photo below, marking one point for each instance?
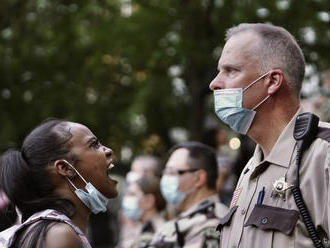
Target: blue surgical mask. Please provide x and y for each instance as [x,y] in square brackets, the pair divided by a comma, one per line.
[130,207]
[169,187]
[228,104]
[93,199]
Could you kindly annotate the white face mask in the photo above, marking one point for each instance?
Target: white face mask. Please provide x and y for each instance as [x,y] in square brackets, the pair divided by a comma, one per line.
[93,199]
[169,187]
[130,207]
[228,104]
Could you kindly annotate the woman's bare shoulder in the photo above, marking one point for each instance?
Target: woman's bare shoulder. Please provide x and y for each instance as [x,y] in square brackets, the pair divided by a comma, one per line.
[62,235]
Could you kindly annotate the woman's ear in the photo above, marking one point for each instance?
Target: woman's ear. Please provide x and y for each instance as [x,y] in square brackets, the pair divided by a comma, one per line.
[275,81]
[64,168]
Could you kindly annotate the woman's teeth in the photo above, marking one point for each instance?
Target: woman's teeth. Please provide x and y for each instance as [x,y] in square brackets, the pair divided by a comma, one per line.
[109,168]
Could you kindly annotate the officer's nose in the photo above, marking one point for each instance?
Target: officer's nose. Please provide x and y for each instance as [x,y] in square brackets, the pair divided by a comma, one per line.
[216,83]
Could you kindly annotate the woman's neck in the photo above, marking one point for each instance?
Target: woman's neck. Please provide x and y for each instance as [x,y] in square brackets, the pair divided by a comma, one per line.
[81,216]
[80,219]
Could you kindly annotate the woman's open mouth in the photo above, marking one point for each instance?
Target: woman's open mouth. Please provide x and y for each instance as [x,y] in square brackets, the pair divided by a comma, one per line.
[111,165]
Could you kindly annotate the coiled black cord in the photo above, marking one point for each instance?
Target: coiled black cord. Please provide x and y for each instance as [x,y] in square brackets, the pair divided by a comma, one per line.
[297,195]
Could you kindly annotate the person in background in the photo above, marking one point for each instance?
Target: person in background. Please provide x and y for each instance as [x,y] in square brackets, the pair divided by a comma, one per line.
[189,183]
[322,105]
[226,180]
[319,103]
[217,138]
[144,204]
[257,93]
[56,180]
[144,165]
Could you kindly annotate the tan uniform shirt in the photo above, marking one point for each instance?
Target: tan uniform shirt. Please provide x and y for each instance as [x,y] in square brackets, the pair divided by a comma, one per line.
[279,224]
[142,234]
[148,229]
[197,230]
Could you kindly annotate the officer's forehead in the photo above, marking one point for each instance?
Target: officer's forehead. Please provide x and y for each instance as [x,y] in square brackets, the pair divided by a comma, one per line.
[239,49]
[178,158]
[137,166]
[142,164]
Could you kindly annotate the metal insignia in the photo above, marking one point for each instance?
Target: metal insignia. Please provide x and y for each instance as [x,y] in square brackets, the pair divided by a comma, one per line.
[280,186]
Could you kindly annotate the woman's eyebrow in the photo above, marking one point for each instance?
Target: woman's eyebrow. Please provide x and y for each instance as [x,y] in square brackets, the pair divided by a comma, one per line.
[91,140]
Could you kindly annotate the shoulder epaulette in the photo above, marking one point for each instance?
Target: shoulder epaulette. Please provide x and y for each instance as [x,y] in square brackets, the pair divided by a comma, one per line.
[324,133]
[203,207]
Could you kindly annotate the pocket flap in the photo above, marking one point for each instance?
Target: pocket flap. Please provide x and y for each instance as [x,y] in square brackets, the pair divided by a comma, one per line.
[273,218]
[226,219]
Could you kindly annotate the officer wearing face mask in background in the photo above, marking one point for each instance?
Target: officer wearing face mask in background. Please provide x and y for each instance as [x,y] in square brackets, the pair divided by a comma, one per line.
[189,182]
[144,165]
[143,203]
[141,166]
[256,92]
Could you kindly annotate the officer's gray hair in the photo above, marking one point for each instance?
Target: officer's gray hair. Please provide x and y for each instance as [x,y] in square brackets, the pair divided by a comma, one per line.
[151,163]
[277,49]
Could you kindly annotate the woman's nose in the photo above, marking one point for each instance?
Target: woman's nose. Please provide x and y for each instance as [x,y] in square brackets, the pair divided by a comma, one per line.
[108,151]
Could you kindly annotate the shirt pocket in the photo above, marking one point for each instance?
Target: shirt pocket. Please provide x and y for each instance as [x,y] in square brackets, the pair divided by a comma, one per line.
[273,218]
[225,221]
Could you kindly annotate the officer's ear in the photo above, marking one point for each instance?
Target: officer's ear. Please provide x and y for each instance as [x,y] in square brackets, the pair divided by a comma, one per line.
[62,167]
[274,81]
[201,178]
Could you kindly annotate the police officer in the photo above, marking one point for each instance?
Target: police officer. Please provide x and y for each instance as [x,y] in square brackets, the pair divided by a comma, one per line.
[256,92]
[144,205]
[144,165]
[188,183]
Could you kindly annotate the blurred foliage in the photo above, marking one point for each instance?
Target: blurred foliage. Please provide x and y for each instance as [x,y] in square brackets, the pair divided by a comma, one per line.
[134,71]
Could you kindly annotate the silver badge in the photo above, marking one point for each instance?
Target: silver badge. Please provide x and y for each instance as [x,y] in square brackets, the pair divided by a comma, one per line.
[280,186]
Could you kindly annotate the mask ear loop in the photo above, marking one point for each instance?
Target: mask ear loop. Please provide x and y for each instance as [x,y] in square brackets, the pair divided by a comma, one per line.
[77,173]
[254,108]
[256,80]
[71,183]
[260,103]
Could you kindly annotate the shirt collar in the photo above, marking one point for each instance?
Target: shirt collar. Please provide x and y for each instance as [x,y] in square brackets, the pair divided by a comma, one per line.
[282,151]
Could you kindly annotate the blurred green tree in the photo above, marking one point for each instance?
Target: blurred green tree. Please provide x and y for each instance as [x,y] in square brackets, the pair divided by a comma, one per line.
[135,71]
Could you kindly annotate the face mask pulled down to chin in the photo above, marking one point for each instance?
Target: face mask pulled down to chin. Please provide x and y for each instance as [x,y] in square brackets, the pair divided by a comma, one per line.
[93,199]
